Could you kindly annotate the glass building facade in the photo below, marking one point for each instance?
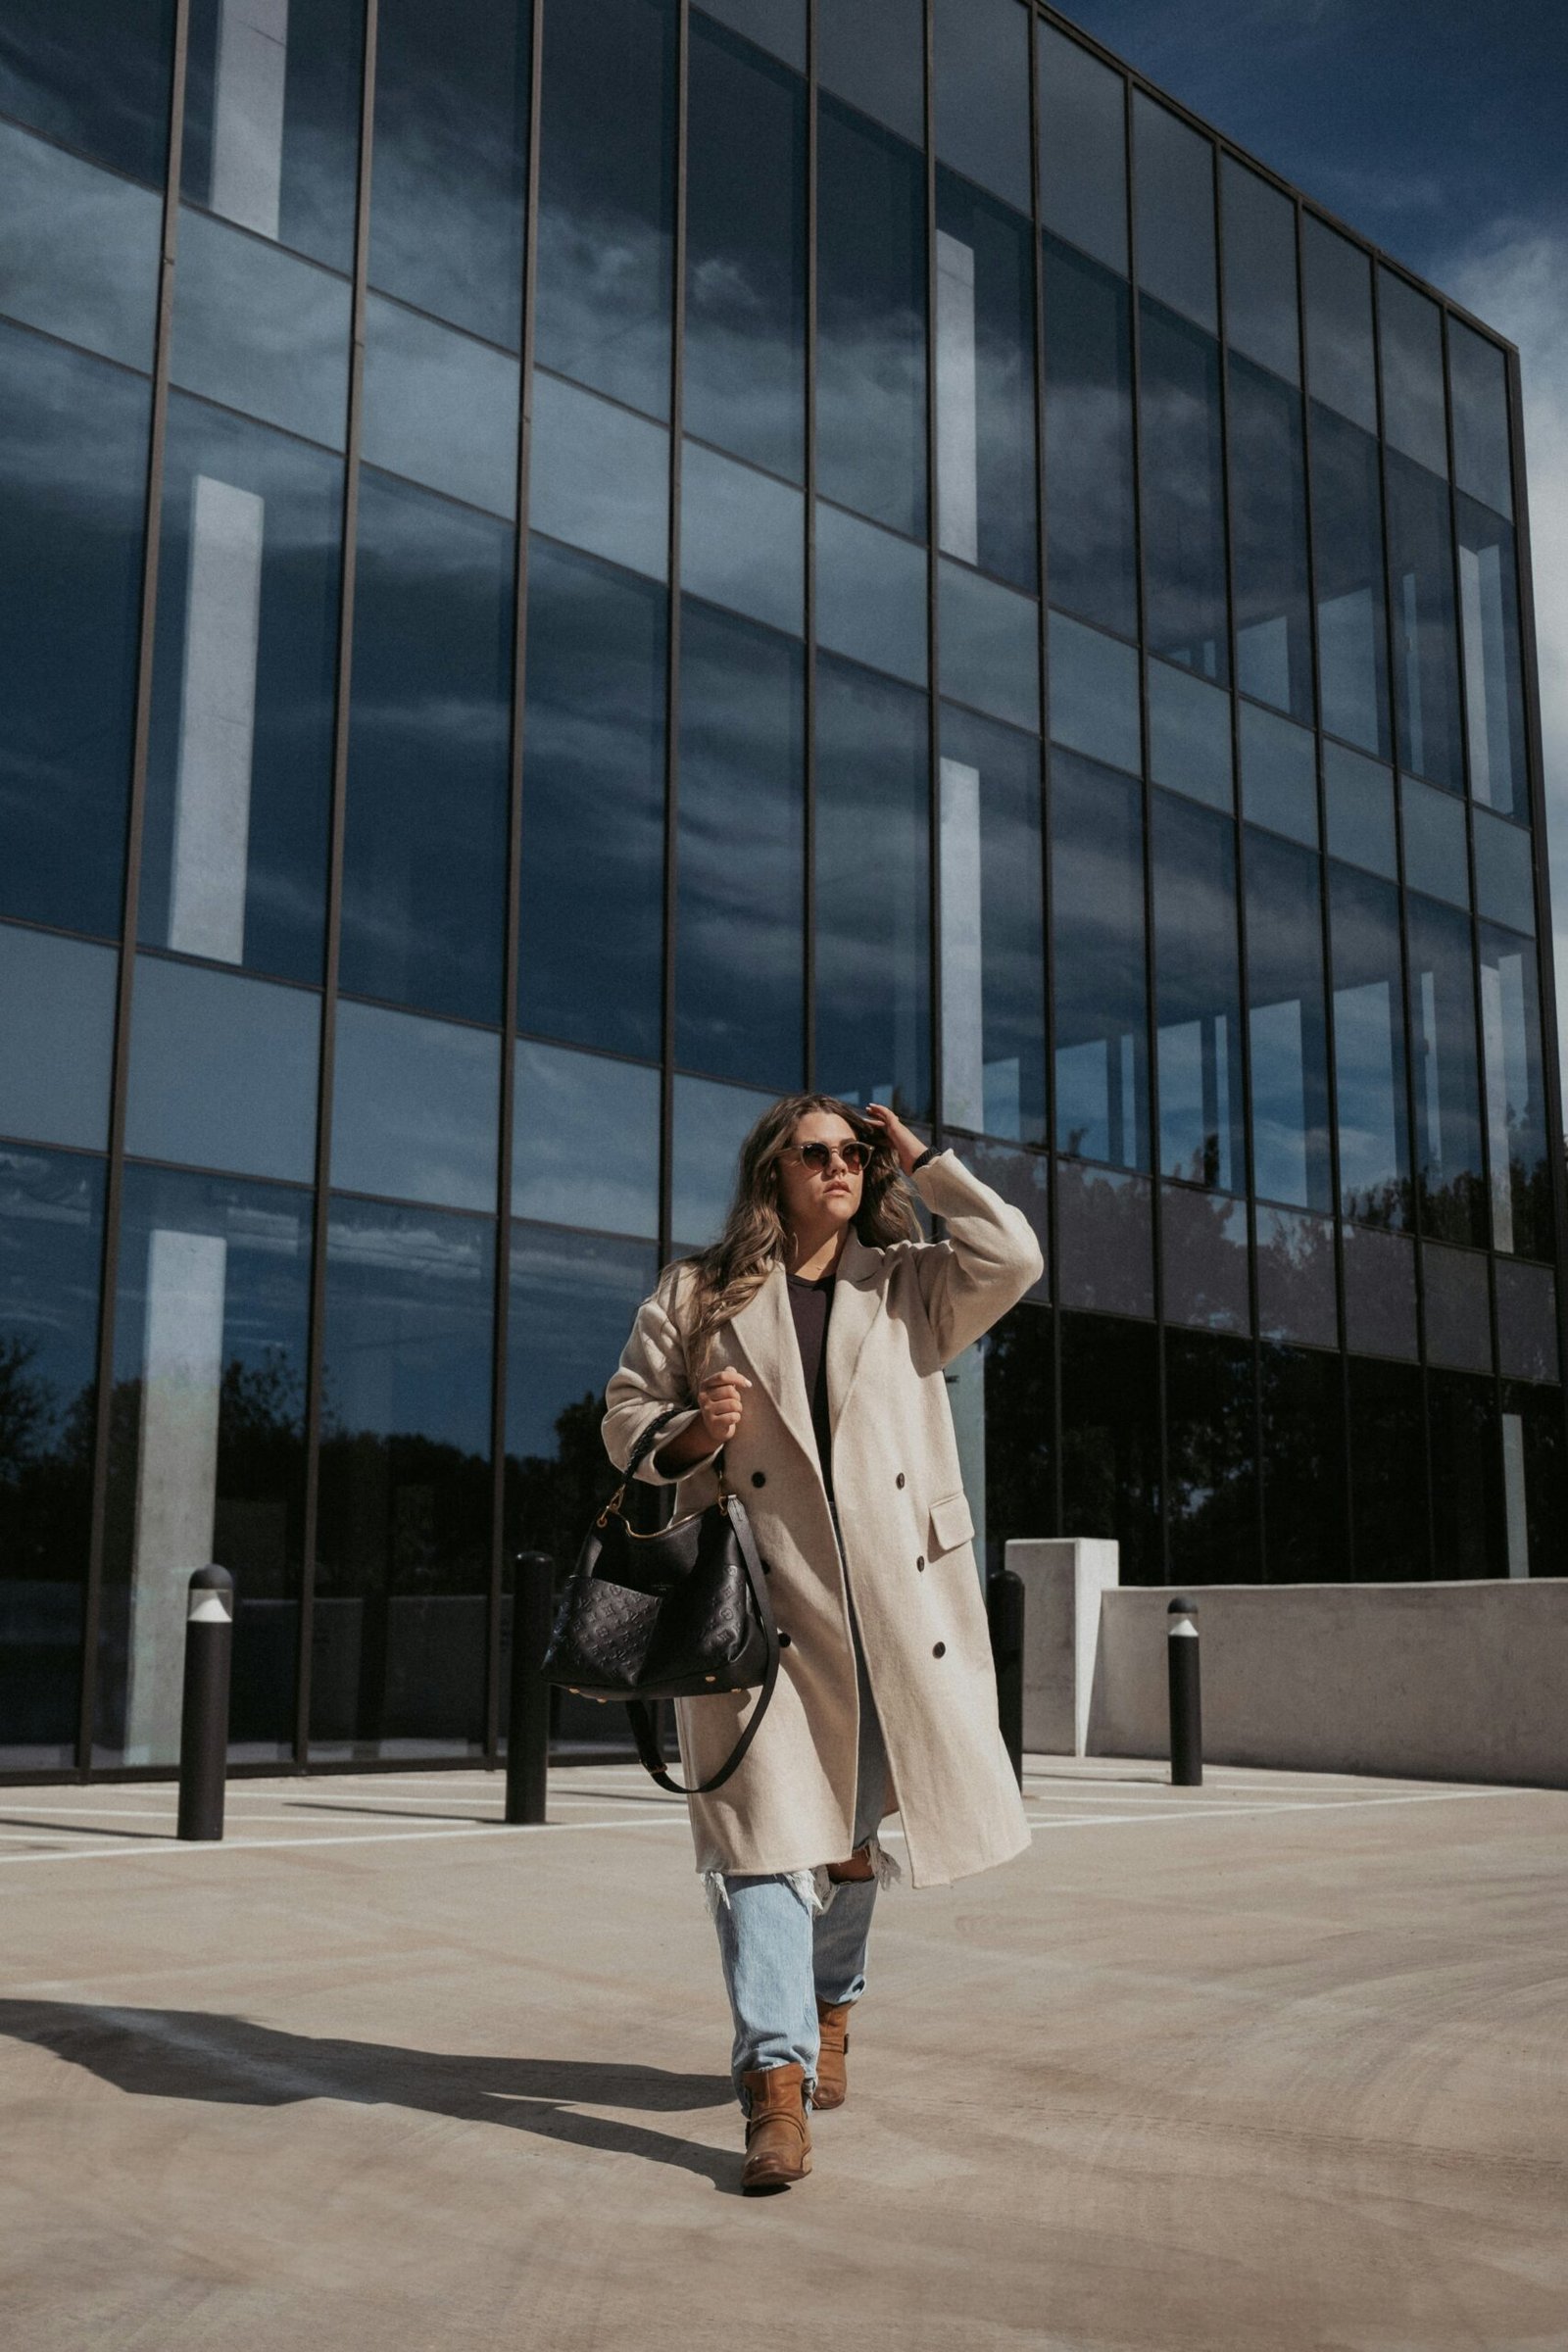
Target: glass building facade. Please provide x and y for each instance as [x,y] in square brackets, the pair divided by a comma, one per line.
[571,568]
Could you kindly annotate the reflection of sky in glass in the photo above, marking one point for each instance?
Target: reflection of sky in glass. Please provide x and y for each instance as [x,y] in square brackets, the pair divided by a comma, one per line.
[57,1037]
[261,330]
[82,249]
[712,1122]
[574,1300]
[870,595]
[741,538]
[440,408]
[416,1107]
[585,1140]
[600,477]
[409,1311]
[222,1071]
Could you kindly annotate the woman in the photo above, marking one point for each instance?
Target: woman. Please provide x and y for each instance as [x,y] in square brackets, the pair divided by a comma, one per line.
[812,1335]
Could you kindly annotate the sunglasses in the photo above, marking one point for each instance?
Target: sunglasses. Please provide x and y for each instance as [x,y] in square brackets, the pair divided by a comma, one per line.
[818,1158]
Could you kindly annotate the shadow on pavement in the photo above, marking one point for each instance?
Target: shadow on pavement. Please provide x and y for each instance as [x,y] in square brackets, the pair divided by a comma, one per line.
[195,2054]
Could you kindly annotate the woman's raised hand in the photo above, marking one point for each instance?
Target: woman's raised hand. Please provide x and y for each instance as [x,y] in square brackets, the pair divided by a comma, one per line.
[904,1142]
[719,1397]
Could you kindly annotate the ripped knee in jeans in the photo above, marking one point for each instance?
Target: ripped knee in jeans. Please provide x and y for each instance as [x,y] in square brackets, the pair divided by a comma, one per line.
[859,1866]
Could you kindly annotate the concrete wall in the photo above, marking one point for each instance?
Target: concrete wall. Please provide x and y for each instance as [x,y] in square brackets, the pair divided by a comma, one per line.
[1459,1682]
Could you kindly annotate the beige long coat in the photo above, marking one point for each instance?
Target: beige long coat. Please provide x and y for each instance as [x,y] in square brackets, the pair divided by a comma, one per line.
[899,1314]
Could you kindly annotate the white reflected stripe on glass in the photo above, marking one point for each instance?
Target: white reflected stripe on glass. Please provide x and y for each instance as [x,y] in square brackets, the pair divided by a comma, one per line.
[1363,1053]
[248,113]
[1348,654]
[1485,658]
[218,723]
[1415,749]
[1181,1097]
[1263,660]
[177,1481]
[957,404]
[962,1016]
[1494,1015]
[1279,1101]
[1125,1146]
[1432,1094]
[1513,1489]
[1222,1100]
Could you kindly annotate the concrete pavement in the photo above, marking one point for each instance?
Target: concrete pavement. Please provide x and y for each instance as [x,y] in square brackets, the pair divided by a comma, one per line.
[1273,2066]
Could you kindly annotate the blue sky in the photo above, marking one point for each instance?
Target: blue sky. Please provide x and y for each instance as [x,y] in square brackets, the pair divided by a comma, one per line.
[1439,129]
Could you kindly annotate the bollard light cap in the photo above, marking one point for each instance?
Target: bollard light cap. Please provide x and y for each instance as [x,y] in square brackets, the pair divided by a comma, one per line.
[1182,1608]
[212,1579]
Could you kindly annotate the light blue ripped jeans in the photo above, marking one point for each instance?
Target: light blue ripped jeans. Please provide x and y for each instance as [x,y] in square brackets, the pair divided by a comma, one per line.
[795,1937]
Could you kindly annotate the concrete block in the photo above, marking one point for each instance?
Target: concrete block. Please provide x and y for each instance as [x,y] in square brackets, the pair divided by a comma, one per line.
[1063,1580]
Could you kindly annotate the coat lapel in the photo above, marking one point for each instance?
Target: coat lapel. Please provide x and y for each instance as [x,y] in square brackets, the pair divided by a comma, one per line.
[857,1301]
[764,1331]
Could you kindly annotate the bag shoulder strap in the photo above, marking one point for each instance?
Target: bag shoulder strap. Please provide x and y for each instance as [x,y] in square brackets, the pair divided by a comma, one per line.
[641,1715]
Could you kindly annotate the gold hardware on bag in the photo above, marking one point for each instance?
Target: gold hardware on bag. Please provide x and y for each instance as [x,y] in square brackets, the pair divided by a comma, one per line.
[613,1504]
[709,1678]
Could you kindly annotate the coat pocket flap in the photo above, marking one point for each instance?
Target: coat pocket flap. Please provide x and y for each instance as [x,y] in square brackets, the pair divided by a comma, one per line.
[951,1523]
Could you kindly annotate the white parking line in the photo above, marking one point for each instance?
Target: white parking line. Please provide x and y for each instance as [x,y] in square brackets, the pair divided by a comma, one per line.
[253,1845]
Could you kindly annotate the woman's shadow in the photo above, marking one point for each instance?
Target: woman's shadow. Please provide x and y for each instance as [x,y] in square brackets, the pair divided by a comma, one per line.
[193,2054]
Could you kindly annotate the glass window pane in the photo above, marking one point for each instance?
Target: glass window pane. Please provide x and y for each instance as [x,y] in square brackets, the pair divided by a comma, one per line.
[1090,526]
[870,595]
[82,249]
[585,1141]
[1358,797]
[209,1456]
[1379,1293]
[1305,1516]
[598,477]
[1094,693]
[223,1071]
[1389,1501]
[1175,182]
[1285,1025]
[1410,345]
[272,118]
[1184,493]
[57,1040]
[424,855]
[741,538]
[1447,1094]
[984,382]
[1527,1321]
[990,645]
[1198,996]
[870,320]
[1023,1178]
[572,1299]
[1268,541]
[1425,665]
[1278,775]
[1211,1459]
[1111,1440]
[239,770]
[1433,843]
[874,1020]
[1083,148]
[607,197]
[778,25]
[451,162]
[1261,317]
[51,1244]
[1467,1506]
[1458,1324]
[1515,1081]
[741,854]
[1106,1237]
[711,1124]
[745,353]
[1338,280]
[993,931]
[1296,1278]
[403,1570]
[1098,975]
[416,1107]
[261,330]
[1369,1050]
[1504,875]
[980,76]
[872,52]
[440,408]
[73,489]
[1478,383]
[1011,1425]
[97,78]
[1348,555]
[1190,736]
[592,802]
[1203,1259]
[1488,615]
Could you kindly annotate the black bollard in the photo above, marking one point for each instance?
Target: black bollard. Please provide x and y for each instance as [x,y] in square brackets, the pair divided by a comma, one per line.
[204,1712]
[528,1717]
[1186,1699]
[1005,1613]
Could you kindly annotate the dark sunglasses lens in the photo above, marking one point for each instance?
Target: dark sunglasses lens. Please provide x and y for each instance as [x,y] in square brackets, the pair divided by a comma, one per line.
[816,1156]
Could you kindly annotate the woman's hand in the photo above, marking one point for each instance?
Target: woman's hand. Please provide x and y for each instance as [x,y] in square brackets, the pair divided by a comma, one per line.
[908,1146]
[720,1397]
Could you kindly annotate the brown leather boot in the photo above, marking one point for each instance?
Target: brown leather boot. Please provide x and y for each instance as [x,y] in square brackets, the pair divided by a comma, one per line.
[832,2081]
[778,2138]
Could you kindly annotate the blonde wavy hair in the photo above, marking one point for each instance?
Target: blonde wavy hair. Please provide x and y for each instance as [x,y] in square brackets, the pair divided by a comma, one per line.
[754,1239]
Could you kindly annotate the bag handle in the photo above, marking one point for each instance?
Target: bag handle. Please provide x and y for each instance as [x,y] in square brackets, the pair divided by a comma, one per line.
[641,1715]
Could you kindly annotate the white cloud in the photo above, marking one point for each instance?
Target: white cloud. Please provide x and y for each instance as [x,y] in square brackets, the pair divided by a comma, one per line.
[1514,275]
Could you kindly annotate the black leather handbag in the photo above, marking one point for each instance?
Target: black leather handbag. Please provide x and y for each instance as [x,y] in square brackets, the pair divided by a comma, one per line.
[682,1612]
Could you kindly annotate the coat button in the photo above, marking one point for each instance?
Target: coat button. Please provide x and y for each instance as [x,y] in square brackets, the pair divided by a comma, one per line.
[920,1562]
[783,1640]
[767,1567]
[941,1650]
[758,1478]
[899,1481]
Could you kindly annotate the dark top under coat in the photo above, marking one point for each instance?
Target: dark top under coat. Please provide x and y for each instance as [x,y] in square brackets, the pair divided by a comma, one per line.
[811,1305]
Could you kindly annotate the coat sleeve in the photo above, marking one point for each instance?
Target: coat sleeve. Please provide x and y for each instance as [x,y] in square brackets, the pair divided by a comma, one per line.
[987,1262]
[650,1377]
